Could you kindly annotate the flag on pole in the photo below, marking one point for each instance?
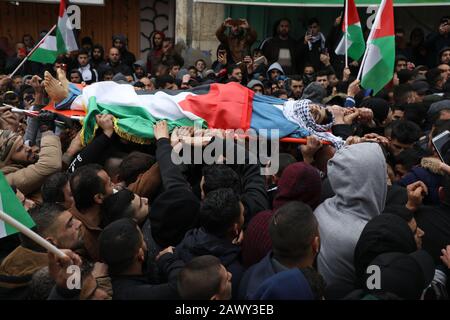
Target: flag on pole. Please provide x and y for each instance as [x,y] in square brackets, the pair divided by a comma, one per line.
[378,64]
[63,42]
[351,27]
[10,205]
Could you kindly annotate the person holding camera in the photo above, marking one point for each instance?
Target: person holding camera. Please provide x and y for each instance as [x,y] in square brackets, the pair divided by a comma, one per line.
[239,38]
[436,41]
[313,48]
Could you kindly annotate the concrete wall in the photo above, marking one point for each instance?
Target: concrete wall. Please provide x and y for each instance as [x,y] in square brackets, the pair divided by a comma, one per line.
[155,15]
[196,24]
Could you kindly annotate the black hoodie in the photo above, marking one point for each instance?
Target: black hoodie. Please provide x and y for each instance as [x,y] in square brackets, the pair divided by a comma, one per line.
[384,233]
[198,242]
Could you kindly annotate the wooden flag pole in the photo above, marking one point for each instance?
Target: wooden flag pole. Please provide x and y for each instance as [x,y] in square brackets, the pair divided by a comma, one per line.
[32,51]
[31,234]
[346,32]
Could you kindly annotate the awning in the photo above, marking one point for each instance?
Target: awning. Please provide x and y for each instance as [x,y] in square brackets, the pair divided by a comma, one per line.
[328,3]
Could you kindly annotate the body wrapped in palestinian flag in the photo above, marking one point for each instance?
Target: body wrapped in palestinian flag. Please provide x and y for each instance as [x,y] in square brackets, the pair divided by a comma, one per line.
[219,106]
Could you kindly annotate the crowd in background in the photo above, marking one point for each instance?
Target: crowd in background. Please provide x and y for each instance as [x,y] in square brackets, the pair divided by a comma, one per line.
[141,227]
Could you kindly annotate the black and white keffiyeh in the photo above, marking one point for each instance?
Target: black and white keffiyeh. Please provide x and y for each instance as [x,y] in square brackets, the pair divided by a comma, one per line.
[298,111]
[319,37]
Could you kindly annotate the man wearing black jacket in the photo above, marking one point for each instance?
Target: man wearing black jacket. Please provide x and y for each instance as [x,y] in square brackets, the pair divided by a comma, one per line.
[281,47]
[435,221]
[123,248]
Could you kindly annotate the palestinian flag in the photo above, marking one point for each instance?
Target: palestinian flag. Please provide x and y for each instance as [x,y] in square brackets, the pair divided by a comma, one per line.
[63,42]
[378,64]
[10,205]
[219,106]
[351,27]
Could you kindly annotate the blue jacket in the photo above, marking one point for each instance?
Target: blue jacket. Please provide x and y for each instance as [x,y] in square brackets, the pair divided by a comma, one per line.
[256,275]
[432,181]
[199,243]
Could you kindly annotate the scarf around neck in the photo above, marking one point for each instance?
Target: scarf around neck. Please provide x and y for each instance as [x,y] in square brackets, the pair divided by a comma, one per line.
[298,112]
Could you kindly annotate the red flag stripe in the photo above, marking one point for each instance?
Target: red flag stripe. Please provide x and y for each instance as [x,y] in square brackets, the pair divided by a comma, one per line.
[62,8]
[386,23]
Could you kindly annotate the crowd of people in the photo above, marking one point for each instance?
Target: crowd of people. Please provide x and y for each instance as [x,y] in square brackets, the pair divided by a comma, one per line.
[139,226]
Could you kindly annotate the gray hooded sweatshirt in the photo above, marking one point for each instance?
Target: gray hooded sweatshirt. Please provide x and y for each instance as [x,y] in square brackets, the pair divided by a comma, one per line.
[358,176]
[274,66]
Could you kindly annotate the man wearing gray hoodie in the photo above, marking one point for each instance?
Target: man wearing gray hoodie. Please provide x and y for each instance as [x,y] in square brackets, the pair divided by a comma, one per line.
[358,176]
[275,70]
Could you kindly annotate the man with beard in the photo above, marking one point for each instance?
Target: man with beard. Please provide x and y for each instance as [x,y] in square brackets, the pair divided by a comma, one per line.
[281,47]
[240,38]
[26,167]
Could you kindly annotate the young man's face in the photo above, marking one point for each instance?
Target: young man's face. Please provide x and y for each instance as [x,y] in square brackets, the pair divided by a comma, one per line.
[297,88]
[24,155]
[225,285]
[333,80]
[200,65]
[75,77]
[314,29]
[309,70]
[193,73]
[28,41]
[445,57]
[140,208]
[397,115]
[107,183]
[401,64]
[67,231]
[397,147]
[257,54]
[118,44]
[323,81]
[422,73]
[274,74]
[174,71]
[258,89]
[17,82]
[83,59]
[97,54]
[318,113]
[237,73]
[445,71]
[139,71]
[148,83]
[283,28]
[157,40]
[108,77]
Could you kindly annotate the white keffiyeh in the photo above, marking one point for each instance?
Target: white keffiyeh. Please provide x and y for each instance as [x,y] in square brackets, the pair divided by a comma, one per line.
[298,111]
